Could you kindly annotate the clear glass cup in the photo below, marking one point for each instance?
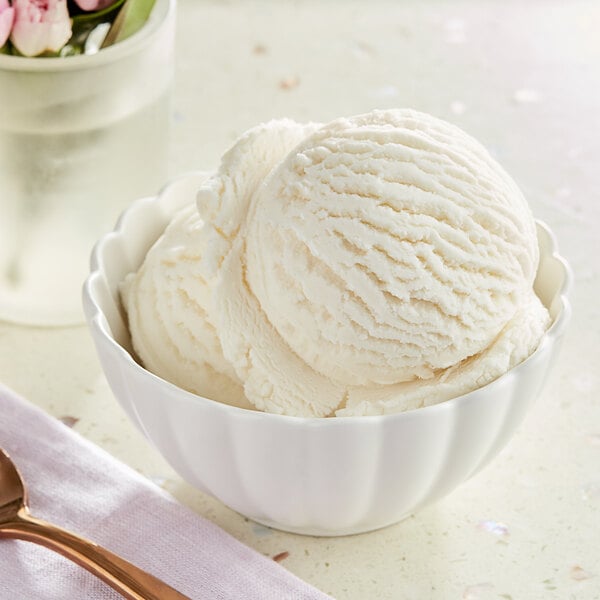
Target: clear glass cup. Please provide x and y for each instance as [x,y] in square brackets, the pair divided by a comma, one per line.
[80,138]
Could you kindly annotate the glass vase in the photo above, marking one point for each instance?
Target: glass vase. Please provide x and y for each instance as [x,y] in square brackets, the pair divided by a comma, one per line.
[80,138]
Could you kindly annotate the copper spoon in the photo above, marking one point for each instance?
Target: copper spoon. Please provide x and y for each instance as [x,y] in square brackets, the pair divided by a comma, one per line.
[17,523]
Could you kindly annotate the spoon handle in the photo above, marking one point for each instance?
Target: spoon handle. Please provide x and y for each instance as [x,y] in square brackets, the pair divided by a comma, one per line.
[127,579]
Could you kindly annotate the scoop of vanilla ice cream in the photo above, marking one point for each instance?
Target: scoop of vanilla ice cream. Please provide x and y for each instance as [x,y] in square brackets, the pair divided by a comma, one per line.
[367,266]
[275,379]
[389,246]
[224,198]
[168,300]
[167,309]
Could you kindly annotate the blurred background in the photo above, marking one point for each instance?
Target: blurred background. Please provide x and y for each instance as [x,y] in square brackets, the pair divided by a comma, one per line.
[524,79]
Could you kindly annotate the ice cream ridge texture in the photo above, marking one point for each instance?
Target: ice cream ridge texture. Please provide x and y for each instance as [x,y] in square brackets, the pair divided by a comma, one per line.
[371,265]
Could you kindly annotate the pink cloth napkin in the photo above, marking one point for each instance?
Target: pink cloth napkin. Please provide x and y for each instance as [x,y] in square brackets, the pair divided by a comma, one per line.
[76,485]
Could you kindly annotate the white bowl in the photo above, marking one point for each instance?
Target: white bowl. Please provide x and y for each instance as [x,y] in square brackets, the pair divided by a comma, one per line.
[331,476]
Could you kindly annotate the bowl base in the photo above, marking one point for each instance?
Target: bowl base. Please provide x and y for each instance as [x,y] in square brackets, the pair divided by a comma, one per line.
[323,532]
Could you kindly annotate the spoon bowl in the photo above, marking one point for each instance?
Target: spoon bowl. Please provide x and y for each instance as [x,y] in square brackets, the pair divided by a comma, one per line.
[17,523]
[13,495]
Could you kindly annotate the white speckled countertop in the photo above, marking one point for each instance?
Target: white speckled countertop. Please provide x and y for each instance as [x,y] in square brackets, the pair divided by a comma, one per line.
[525,80]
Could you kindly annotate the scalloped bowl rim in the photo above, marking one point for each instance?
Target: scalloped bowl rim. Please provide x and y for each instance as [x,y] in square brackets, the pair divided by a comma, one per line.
[99,324]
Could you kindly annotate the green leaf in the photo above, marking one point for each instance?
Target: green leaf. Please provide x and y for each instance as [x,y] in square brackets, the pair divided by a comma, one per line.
[131,18]
[99,16]
[85,23]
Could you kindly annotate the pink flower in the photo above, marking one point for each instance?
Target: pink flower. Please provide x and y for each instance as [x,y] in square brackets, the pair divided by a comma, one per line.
[40,25]
[7,16]
[94,4]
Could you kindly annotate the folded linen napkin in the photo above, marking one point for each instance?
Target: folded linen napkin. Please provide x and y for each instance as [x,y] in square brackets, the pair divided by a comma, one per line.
[76,485]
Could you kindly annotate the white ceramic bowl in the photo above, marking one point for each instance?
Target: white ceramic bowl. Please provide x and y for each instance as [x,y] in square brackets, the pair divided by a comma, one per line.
[314,476]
